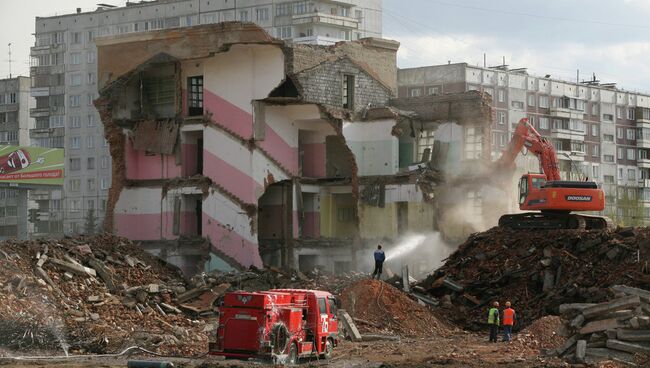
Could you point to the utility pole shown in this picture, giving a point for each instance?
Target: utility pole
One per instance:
(9, 60)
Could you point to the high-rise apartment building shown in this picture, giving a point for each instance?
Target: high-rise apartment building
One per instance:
(64, 75)
(15, 102)
(600, 132)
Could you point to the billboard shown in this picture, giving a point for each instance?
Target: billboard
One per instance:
(31, 165)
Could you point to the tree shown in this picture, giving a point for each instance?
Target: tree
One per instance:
(90, 226)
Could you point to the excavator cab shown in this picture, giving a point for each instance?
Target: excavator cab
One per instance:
(530, 183)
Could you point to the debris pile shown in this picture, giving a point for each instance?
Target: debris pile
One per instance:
(92, 295)
(542, 333)
(612, 330)
(537, 271)
(378, 308)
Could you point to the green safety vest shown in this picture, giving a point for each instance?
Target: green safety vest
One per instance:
(493, 316)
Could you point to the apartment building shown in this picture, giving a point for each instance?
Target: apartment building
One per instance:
(15, 102)
(600, 131)
(64, 75)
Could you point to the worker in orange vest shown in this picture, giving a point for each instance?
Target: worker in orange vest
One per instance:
(509, 318)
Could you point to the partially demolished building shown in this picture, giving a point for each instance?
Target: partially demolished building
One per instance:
(233, 149)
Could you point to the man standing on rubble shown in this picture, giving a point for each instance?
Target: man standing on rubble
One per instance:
(508, 321)
(380, 257)
(493, 321)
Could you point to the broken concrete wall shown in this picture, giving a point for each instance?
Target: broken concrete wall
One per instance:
(375, 149)
(440, 79)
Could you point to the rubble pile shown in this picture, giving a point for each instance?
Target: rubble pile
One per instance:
(542, 333)
(379, 308)
(615, 330)
(92, 295)
(537, 271)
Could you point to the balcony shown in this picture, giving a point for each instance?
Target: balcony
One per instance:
(561, 133)
(46, 70)
(57, 90)
(46, 132)
(644, 183)
(38, 112)
(317, 40)
(40, 91)
(572, 155)
(562, 112)
(324, 18)
(643, 163)
(49, 49)
(643, 142)
(9, 107)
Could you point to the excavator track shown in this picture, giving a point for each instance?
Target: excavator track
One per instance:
(555, 221)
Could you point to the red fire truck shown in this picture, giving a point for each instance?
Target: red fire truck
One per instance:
(279, 325)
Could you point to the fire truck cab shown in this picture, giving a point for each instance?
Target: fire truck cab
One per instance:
(279, 324)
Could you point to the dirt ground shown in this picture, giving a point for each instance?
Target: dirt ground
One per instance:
(460, 349)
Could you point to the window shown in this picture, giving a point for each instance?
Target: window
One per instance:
(594, 130)
(90, 141)
(11, 211)
(75, 37)
(90, 163)
(415, 92)
(502, 95)
(75, 100)
(57, 121)
(631, 134)
(243, 16)
(630, 114)
(90, 36)
(595, 151)
(631, 174)
(619, 153)
(104, 183)
(619, 112)
(517, 105)
(75, 79)
(75, 164)
(283, 9)
(90, 78)
(426, 140)
(91, 186)
(104, 162)
(348, 91)
(608, 137)
(543, 101)
(89, 99)
(620, 173)
(531, 100)
(543, 123)
(577, 125)
(262, 14)
(432, 91)
(332, 304)
(91, 120)
(502, 117)
(124, 28)
(57, 38)
(210, 18)
(595, 109)
(609, 179)
(577, 146)
(473, 143)
(630, 154)
(74, 185)
(619, 133)
(284, 32)
(74, 205)
(75, 142)
(595, 172)
(195, 95)
(75, 58)
(608, 117)
(642, 154)
(75, 121)
(90, 57)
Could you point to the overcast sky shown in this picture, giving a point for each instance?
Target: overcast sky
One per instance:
(608, 37)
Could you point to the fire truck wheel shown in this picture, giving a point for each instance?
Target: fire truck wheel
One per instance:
(329, 346)
(280, 338)
(293, 354)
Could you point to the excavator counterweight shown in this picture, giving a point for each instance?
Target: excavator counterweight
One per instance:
(554, 198)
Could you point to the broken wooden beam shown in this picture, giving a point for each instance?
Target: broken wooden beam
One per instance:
(601, 325)
(628, 346)
(633, 335)
(73, 268)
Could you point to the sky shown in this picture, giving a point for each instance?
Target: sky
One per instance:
(610, 38)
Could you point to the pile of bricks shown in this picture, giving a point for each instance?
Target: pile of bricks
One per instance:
(615, 330)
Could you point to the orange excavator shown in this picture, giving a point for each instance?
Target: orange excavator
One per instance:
(553, 198)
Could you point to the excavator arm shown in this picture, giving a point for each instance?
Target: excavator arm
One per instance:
(525, 135)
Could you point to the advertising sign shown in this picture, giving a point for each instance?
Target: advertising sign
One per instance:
(31, 165)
